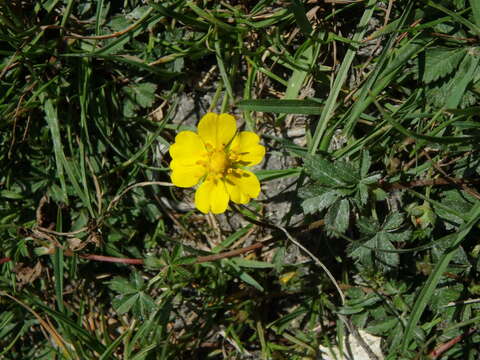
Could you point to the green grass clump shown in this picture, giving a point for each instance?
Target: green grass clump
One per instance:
(369, 218)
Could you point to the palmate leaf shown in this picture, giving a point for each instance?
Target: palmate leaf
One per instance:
(365, 163)
(317, 198)
(383, 259)
(441, 62)
(338, 216)
(459, 202)
(393, 221)
(453, 92)
(331, 174)
(138, 96)
(378, 251)
(141, 304)
(122, 286)
(133, 296)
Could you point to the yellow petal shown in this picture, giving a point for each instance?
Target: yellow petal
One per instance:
(217, 130)
(246, 145)
(187, 149)
(212, 196)
(186, 175)
(242, 185)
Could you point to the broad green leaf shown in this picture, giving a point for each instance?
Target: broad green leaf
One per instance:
(382, 327)
(143, 306)
(441, 62)
(385, 260)
(444, 295)
(123, 304)
(368, 226)
(328, 173)
(456, 200)
(318, 203)
(463, 78)
(145, 94)
(393, 221)
(338, 216)
(475, 5)
(365, 164)
(363, 194)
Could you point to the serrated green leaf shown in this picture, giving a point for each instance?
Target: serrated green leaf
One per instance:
(347, 171)
(365, 164)
(319, 203)
(137, 280)
(122, 286)
(383, 326)
(347, 310)
(385, 260)
(338, 216)
(372, 179)
(362, 253)
(393, 221)
(338, 174)
(365, 300)
(399, 236)
(475, 5)
(443, 295)
(145, 94)
(143, 306)
(441, 62)
(138, 95)
(457, 201)
(123, 304)
(463, 78)
(363, 194)
(367, 226)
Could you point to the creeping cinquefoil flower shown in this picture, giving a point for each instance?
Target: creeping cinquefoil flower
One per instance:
(216, 157)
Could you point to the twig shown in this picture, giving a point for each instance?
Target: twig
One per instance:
(356, 334)
(462, 302)
(4, 260)
(439, 350)
(133, 261)
(10, 63)
(110, 259)
(315, 259)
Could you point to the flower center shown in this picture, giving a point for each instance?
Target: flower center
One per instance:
(219, 161)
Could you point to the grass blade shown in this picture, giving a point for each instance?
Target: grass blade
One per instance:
(340, 79)
(282, 106)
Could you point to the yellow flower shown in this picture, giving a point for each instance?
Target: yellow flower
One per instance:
(217, 155)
